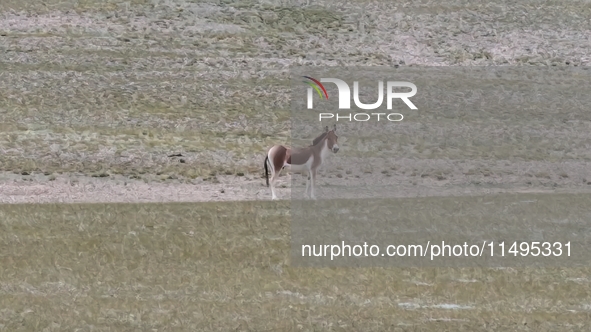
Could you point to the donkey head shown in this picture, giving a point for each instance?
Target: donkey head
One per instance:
(332, 139)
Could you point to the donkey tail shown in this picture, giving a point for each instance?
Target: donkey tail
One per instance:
(267, 169)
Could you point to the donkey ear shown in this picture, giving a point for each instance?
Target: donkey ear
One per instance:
(335, 127)
(326, 129)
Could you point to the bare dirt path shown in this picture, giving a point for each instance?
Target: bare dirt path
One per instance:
(331, 184)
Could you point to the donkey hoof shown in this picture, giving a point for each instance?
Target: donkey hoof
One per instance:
(274, 198)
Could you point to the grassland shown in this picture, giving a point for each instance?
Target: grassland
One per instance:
(96, 95)
(115, 87)
(225, 267)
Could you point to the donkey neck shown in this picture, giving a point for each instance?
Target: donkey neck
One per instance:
(321, 148)
(318, 139)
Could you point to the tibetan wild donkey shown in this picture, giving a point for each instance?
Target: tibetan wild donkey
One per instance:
(305, 161)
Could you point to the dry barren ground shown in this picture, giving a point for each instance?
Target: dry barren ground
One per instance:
(110, 89)
(96, 95)
(114, 88)
(401, 178)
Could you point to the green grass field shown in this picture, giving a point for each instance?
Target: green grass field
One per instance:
(225, 267)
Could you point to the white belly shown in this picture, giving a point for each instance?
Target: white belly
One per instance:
(302, 169)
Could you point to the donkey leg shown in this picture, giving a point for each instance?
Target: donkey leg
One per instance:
(307, 175)
(312, 183)
(274, 176)
(274, 179)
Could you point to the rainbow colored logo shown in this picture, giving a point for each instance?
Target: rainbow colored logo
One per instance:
(316, 86)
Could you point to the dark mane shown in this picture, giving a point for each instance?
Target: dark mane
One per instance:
(319, 138)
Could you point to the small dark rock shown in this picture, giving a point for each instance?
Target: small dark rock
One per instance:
(222, 191)
(100, 175)
(176, 155)
(182, 161)
(25, 173)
